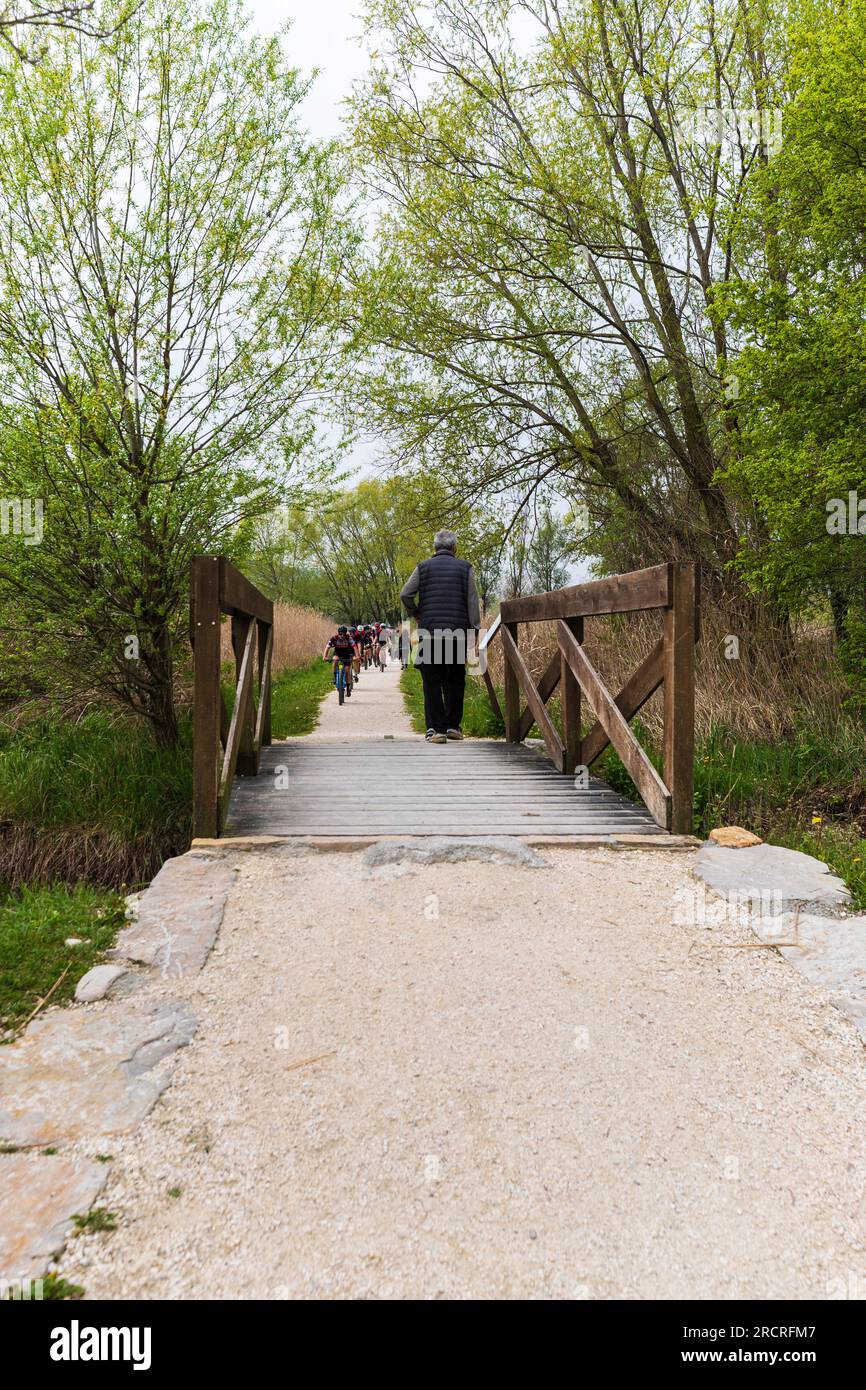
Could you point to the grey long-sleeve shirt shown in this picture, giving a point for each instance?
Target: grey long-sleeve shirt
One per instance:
(409, 596)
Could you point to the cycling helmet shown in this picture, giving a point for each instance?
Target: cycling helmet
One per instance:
(342, 628)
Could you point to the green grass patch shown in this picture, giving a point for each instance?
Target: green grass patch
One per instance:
(106, 773)
(94, 800)
(296, 696)
(97, 1219)
(34, 926)
(479, 720)
(56, 1289)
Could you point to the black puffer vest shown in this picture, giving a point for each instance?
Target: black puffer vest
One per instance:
(443, 593)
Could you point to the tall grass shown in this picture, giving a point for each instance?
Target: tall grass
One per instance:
(89, 797)
(763, 693)
(93, 799)
(299, 635)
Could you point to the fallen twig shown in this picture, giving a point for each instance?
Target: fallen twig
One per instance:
(307, 1061)
(44, 1001)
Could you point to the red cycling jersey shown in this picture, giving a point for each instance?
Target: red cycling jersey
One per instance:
(342, 644)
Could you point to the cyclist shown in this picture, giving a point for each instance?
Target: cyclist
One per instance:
(344, 649)
(382, 644)
(367, 642)
(356, 635)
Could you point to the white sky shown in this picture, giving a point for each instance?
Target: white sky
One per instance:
(325, 34)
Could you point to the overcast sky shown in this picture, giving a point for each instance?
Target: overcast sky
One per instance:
(324, 35)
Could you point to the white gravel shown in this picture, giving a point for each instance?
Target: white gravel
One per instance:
(530, 1084)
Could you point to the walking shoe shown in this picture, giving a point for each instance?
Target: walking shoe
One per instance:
(433, 737)
(454, 733)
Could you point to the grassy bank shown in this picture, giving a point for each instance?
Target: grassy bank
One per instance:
(35, 960)
(479, 720)
(98, 801)
(296, 697)
(89, 810)
(806, 792)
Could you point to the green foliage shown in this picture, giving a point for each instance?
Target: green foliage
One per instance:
(56, 1289)
(479, 720)
(99, 773)
(539, 304)
(95, 1220)
(35, 924)
(801, 374)
(168, 253)
(296, 697)
(354, 555)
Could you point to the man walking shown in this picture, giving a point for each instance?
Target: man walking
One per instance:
(442, 595)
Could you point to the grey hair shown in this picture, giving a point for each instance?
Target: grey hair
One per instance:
(445, 540)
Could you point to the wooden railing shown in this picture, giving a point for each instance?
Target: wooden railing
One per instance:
(223, 745)
(671, 588)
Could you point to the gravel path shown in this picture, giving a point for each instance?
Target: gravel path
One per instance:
(471, 1080)
(530, 1083)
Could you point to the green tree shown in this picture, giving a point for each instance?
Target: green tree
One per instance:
(541, 301)
(169, 245)
(801, 376)
(549, 551)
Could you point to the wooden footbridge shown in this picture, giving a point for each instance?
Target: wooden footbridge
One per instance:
(246, 785)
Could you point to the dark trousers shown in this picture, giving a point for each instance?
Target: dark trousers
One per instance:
(443, 695)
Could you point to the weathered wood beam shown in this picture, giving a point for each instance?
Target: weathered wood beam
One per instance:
(205, 630)
(679, 674)
(238, 595)
(512, 689)
(652, 789)
(518, 666)
(243, 696)
(637, 690)
(263, 722)
(546, 686)
(618, 593)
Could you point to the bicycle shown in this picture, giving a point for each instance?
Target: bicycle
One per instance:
(342, 681)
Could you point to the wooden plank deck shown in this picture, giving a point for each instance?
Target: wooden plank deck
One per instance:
(356, 787)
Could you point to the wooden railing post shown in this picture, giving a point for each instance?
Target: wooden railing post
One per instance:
(679, 674)
(265, 650)
(206, 708)
(569, 704)
(512, 694)
(248, 763)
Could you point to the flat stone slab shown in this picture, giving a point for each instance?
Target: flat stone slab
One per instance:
(178, 916)
(771, 873)
(439, 850)
(77, 1073)
(829, 951)
(39, 1196)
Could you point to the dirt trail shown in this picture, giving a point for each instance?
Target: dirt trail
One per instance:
(374, 709)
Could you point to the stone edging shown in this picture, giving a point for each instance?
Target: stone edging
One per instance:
(81, 1073)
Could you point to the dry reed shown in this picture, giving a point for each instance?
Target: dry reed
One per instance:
(762, 694)
(299, 636)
